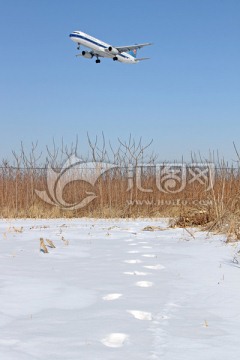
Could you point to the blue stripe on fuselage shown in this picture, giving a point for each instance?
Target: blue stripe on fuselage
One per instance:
(93, 42)
(87, 39)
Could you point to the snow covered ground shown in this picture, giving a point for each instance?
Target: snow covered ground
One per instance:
(111, 291)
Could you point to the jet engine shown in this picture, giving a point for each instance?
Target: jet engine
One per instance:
(113, 50)
(87, 54)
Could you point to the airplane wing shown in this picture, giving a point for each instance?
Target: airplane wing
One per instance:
(131, 47)
(90, 54)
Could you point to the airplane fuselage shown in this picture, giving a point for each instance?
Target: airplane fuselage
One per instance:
(102, 48)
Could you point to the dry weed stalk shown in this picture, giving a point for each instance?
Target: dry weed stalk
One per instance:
(50, 244)
(43, 247)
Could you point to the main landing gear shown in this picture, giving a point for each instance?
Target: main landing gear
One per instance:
(98, 61)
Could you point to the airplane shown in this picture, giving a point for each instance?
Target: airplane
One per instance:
(124, 54)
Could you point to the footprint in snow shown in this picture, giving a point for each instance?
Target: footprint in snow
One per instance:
(138, 273)
(133, 252)
(155, 267)
(140, 315)
(115, 340)
(146, 247)
(149, 255)
(133, 261)
(110, 297)
(144, 284)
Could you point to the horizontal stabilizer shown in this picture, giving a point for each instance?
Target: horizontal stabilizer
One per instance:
(142, 59)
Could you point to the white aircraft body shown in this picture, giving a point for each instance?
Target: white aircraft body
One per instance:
(125, 54)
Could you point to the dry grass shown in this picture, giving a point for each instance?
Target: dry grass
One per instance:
(217, 209)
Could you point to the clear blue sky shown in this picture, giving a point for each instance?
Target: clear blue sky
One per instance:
(186, 98)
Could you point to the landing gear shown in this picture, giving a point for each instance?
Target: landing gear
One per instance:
(115, 58)
(78, 48)
(98, 61)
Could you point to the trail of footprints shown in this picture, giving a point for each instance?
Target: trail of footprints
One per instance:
(117, 340)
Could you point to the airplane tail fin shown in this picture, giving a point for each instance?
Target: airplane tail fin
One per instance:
(133, 53)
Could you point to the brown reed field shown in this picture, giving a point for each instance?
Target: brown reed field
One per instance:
(193, 194)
